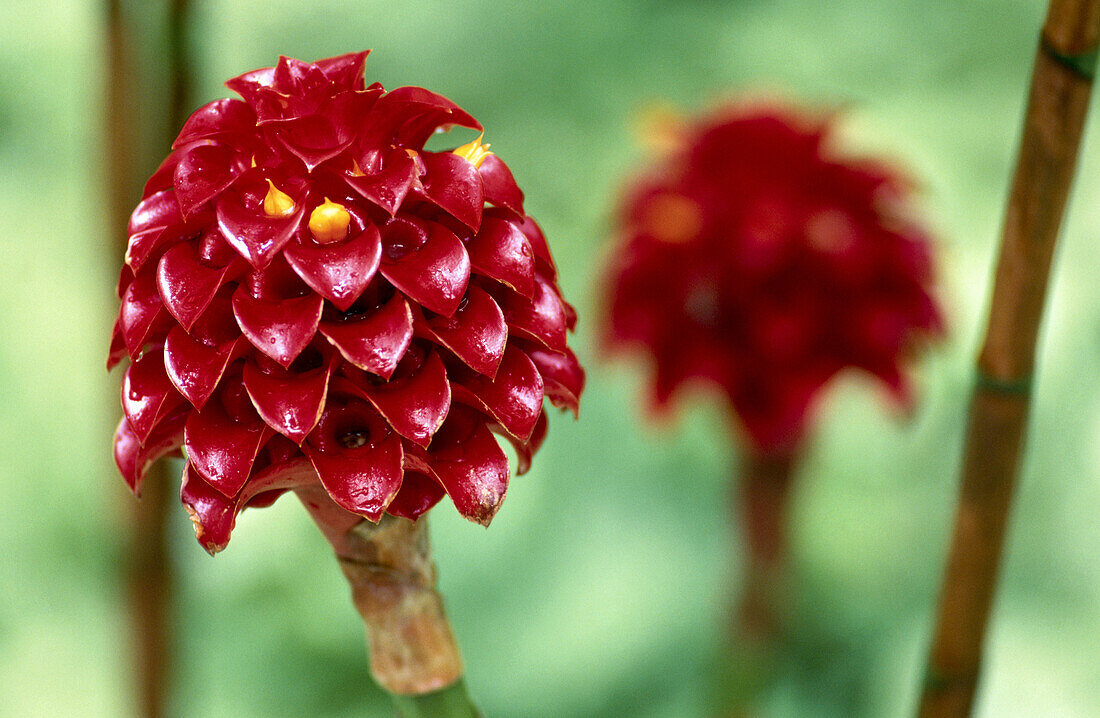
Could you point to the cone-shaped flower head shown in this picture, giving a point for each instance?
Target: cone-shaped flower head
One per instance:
(754, 259)
(311, 296)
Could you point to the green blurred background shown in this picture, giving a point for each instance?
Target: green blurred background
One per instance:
(598, 588)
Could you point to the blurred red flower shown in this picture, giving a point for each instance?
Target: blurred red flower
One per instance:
(753, 258)
(310, 295)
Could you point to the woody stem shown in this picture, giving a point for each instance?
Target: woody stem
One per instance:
(388, 565)
(1058, 102)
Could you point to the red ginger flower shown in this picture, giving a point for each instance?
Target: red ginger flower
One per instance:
(310, 295)
(754, 259)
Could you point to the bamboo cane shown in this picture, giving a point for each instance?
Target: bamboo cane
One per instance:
(1053, 124)
(147, 572)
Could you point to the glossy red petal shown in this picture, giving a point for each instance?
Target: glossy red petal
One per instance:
(543, 318)
(363, 480)
(203, 172)
(419, 492)
(127, 450)
(289, 402)
(434, 274)
(134, 459)
(220, 119)
(499, 185)
(525, 449)
(194, 367)
(186, 284)
(476, 333)
(570, 314)
(141, 313)
(165, 175)
(257, 237)
(416, 458)
(147, 394)
(217, 325)
(313, 139)
(454, 185)
(562, 377)
(408, 116)
(155, 224)
(376, 343)
(386, 177)
(338, 272)
(425, 113)
(297, 77)
(125, 278)
(471, 466)
(157, 211)
(542, 250)
(250, 81)
(279, 329)
(345, 71)
(416, 405)
(213, 514)
(513, 398)
(299, 81)
(501, 251)
(222, 450)
(118, 347)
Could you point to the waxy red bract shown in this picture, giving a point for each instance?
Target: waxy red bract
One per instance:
(754, 260)
(376, 366)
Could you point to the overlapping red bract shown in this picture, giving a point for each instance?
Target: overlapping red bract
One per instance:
(754, 260)
(378, 365)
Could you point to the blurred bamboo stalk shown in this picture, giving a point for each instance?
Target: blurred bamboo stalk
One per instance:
(179, 69)
(147, 573)
(1053, 124)
(149, 591)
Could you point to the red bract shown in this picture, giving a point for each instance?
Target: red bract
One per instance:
(311, 296)
(755, 260)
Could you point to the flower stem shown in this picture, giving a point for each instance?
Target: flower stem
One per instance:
(760, 503)
(451, 702)
(763, 503)
(1058, 102)
(388, 565)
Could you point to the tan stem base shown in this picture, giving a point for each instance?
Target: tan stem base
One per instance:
(389, 568)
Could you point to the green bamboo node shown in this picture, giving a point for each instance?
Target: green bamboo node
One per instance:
(934, 680)
(1083, 64)
(1019, 386)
